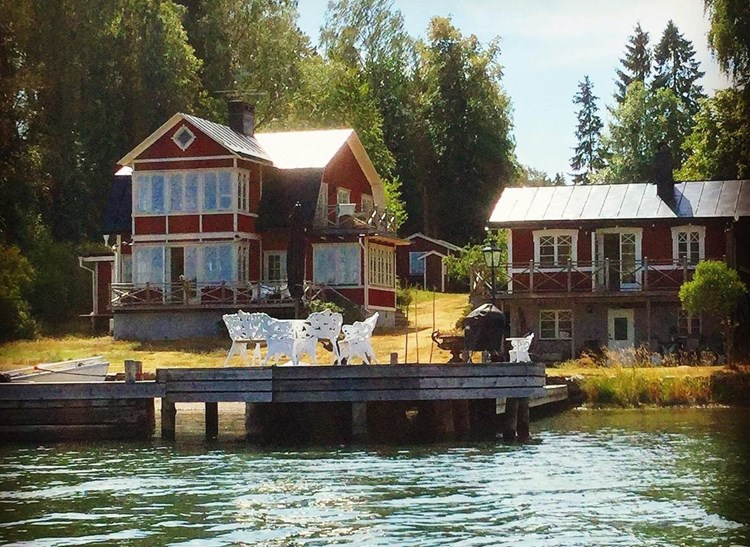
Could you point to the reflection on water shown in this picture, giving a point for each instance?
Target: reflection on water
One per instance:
(656, 477)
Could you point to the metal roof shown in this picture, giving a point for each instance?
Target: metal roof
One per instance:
(230, 139)
(698, 199)
(303, 149)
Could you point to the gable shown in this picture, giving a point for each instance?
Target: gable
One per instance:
(165, 146)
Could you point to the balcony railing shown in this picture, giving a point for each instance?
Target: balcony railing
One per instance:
(191, 294)
(605, 276)
(345, 216)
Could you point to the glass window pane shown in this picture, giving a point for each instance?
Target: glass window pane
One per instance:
(157, 194)
(209, 192)
(191, 193)
(621, 328)
(175, 193)
(143, 190)
(225, 190)
(416, 264)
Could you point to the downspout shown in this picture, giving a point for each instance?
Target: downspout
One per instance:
(94, 303)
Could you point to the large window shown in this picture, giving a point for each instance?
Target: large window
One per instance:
(556, 324)
(203, 263)
(243, 188)
(381, 272)
(190, 191)
(555, 247)
(416, 262)
(336, 264)
(148, 265)
(275, 265)
(688, 243)
(217, 263)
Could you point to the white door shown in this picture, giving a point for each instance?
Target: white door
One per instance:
(621, 328)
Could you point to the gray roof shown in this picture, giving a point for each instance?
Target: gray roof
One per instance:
(700, 199)
(230, 139)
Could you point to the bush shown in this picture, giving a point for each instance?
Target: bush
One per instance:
(404, 297)
(16, 280)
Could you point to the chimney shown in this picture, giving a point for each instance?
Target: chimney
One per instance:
(663, 173)
(241, 117)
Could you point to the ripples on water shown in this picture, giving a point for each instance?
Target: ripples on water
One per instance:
(658, 477)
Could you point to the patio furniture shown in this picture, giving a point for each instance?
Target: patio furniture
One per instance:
(357, 341)
(321, 325)
(519, 352)
(287, 337)
(244, 328)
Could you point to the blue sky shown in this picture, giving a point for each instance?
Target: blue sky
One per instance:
(547, 48)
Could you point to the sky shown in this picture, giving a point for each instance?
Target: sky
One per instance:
(548, 46)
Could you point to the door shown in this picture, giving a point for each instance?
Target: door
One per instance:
(182, 278)
(617, 256)
(620, 328)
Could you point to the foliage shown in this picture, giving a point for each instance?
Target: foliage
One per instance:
(719, 146)
(638, 126)
(636, 64)
(321, 305)
(589, 155)
(404, 297)
(16, 279)
(676, 67)
(729, 37)
(529, 176)
(459, 268)
(714, 290)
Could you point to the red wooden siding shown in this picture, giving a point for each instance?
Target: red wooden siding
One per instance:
(245, 223)
(381, 298)
(150, 225)
(345, 172)
(254, 271)
(103, 281)
(165, 147)
(276, 240)
(355, 295)
(183, 165)
(218, 223)
(255, 177)
(183, 224)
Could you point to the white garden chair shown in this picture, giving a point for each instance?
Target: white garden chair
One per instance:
(357, 341)
(519, 352)
(246, 328)
(286, 337)
(321, 325)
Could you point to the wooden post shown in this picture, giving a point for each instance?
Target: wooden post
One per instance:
(570, 274)
(168, 419)
(461, 418)
(645, 273)
(253, 422)
(359, 421)
(510, 419)
(531, 276)
(522, 421)
(394, 358)
(212, 420)
(133, 370)
(443, 426)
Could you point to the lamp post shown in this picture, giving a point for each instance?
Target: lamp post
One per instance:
(492, 257)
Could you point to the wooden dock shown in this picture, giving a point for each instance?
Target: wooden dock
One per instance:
(287, 403)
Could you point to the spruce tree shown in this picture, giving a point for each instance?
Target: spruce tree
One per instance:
(636, 64)
(677, 69)
(588, 156)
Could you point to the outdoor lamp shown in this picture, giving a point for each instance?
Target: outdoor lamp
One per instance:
(492, 258)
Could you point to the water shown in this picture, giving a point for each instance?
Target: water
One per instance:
(656, 477)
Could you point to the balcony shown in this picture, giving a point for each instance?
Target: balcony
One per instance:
(607, 277)
(350, 217)
(199, 295)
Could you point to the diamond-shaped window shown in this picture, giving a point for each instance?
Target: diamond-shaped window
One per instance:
(183, 137)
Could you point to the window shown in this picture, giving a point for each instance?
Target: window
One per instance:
(183, 137)
(556, 324)
(380, 266)
(343, 195)
(336, 264)
(321, 207)
(217, 263)
(150, 193)
(688, 243)
(368, 204)
(275, 265)
(126, 269)
(217, 191)
(148, 265)
(688, 324)
(416, 263)
(183, 192)
(555, 247)
(243, 188)
(243, 261)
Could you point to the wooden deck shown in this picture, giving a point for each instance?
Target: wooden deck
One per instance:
(355, 401)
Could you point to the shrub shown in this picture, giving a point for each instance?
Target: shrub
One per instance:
(16, 280)
(404, 297)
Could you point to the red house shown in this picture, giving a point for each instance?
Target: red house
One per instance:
(601, 265)
(200, 214)
(421, 262)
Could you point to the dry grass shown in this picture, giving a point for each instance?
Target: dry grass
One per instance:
(210, 352)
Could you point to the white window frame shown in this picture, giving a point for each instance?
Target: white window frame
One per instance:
(143, 196)
(243, 191)
(183, 146)
(343, 195)
(688, 230)
(243, 263)
(381, 266)
(638, 233)
(555, 234)
(267, 256)
(324, 277)
(556, 316)
(200, 251)
(418, 257)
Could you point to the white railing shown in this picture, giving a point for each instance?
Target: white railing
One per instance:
(351, 215)
(186, 293)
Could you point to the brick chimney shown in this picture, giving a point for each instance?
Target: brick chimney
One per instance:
(241, 117)
(663, 173)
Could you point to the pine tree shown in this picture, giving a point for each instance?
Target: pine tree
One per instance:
(588, 156)
(677, 69)
(636, 64)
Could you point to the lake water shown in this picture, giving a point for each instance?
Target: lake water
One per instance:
(654, 477)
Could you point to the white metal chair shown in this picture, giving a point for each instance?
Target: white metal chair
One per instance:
(519, 352)
(321, 325)
(357, 341)
(286, 337)
(245, 328)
